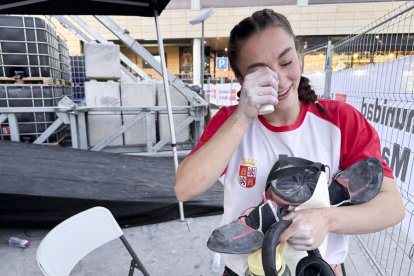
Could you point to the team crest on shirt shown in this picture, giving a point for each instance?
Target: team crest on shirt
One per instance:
(247, 173)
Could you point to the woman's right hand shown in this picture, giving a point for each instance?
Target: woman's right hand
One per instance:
(259, 87)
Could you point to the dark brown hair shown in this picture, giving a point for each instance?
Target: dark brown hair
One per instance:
(259, 21)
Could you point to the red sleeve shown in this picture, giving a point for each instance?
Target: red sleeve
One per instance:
(359, 139)
(215, 123)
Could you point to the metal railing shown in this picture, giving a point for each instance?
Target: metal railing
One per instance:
(74, 115)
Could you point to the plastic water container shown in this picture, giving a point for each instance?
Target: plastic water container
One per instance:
(216, 264)
(18, 242)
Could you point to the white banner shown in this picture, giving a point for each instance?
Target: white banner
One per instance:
(383, 93)
(222, 94)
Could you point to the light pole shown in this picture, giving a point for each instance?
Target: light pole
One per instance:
(200, 19)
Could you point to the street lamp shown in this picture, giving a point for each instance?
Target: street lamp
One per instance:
(200, 19)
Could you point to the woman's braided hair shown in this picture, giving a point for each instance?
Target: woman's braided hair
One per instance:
(308, 95)
(259, 21)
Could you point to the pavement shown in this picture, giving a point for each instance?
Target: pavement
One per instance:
(172, 248)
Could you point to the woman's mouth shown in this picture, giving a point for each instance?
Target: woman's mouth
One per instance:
(283, 93)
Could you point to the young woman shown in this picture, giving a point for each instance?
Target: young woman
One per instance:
(263, 54)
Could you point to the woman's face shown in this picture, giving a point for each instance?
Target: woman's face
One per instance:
(273, 48)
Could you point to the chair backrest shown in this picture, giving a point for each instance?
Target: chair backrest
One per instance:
(67, 243)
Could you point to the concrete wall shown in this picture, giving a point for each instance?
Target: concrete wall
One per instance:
(101, 125)
(102, 61)
(177, 99)
(139, 94)
(164, 128)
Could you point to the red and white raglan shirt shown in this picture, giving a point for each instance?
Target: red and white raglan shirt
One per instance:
(337, 139)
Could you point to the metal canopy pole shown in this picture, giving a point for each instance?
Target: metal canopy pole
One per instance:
(168, 100)
(202, 59)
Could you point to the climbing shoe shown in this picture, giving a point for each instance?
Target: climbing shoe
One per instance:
(358, 184)
(245, 234)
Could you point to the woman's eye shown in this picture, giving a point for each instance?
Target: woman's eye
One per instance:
(286, 64)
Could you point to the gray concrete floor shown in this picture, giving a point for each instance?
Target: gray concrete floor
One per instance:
(173, 248)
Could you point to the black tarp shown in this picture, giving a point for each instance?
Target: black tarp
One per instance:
(42, 185)
(84, 7)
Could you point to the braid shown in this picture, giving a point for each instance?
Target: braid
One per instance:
(308, 95)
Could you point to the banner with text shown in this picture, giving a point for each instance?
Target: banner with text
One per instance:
(383, 93)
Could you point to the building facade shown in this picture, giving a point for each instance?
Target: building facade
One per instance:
(314, 22)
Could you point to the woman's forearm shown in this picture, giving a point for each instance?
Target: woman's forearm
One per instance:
(199, 171)
(385, 210)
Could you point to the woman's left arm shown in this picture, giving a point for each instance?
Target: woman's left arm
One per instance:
(384, 210)
(310, 226)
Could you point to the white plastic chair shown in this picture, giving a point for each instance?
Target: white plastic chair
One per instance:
(70, 241)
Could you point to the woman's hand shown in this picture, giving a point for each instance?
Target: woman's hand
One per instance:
(308, 229)
(259, 87)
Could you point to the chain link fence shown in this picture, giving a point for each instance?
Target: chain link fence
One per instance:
(373, 70)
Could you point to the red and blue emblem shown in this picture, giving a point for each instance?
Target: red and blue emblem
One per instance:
(247, 173)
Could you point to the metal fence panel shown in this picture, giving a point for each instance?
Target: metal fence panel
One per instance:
(374, 72)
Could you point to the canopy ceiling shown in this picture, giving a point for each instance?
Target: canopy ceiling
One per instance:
(83, 7)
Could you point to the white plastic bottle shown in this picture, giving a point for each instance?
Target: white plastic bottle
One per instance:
(18, 242)
(216, 264)
(266, 109)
